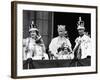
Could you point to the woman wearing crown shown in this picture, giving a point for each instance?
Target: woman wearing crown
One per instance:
(34, 45)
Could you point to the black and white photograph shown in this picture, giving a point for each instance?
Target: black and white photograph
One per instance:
(54, 39)
(59, 36)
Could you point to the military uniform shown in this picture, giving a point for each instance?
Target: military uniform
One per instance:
(85, 46)
(83, 42)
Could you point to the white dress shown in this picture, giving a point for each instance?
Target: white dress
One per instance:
(56, 43)
(33, 50)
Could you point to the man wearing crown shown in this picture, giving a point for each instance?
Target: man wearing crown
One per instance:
(59, 44)
(82, 48)
(34, 45)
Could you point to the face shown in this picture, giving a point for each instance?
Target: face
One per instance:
(81, 32)
(66, 50)
(33, 34)
(61, 32)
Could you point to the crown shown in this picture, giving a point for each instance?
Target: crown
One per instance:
(33, 27)
(80, 24)
(61, 27)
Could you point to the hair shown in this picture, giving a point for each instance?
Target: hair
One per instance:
(37, 32)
